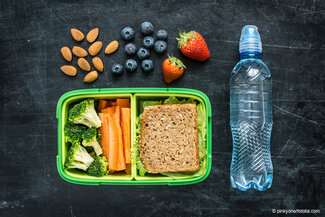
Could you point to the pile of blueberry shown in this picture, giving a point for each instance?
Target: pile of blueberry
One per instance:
(143, 53)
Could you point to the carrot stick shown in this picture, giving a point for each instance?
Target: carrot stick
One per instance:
(110, 103)
(116, 148)
(128, 169)
(123, 103)
(126, 129)
(109, 110)
(104, 133)
(113, 143)
(102, 104)
(120, 153)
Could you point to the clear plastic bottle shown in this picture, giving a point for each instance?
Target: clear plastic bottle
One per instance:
(251, 116)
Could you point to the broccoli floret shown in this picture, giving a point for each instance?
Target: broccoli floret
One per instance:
(89, 138)
(78, 158)
(99, 167)
(99, 136)
(84, 113)
(73, 132)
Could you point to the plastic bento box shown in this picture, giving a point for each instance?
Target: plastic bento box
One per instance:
(136, 96)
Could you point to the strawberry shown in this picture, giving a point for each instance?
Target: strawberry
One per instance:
(172, 69)
(193, 46)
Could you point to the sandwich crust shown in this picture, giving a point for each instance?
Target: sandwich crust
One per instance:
(169, 138)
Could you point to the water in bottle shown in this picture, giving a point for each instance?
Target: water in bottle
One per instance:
(251, 116)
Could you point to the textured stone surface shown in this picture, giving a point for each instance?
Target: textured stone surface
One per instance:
(31, 35)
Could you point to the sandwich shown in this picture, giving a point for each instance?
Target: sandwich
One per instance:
(170, 138)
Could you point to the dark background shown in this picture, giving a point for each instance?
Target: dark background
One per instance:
(31, 35)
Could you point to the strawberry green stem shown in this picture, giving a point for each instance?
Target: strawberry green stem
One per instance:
(177, 61)
(184, 37)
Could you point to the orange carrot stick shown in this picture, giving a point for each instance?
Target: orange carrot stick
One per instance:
(113, 143)
(102, 104)
(109, 110)
(110, 103)
(126, 129)
(123, 103)
(120, 153)
(104, 134)
(128, 169)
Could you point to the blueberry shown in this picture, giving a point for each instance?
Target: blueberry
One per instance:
(131, 65)
(127, 33)
(130, 49)
(146, 28)
(162, 35)
(117, 69)
(160, 47)
(147, 65)
(148, 42)
(143, 53)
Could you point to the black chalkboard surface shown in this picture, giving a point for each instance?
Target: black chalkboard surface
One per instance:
(31, 35)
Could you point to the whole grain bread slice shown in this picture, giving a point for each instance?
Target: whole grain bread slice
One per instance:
(169, 138)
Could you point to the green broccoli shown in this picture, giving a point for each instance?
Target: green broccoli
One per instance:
(84, 113)
(78, 158)
(99, 167)
(99, 136)
(89, 138)
(73, 132)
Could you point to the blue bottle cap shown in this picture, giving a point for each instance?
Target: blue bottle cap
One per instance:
(250, 40)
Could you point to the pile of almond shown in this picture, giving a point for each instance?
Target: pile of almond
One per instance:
(81, 53)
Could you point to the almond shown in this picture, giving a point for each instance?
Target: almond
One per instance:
(79, 51)
(111, 47)
(69, 70)
(92, 35)
(91, 76)
(77, 35)
(66, 53)
(98, 64)
(95, 48)
(83, 64)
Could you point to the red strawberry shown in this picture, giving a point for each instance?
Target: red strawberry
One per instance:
(193, 46)
(172, 69)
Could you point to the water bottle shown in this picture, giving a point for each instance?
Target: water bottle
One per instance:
(251, 116)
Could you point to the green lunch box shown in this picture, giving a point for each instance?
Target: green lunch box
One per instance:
(136, 95)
